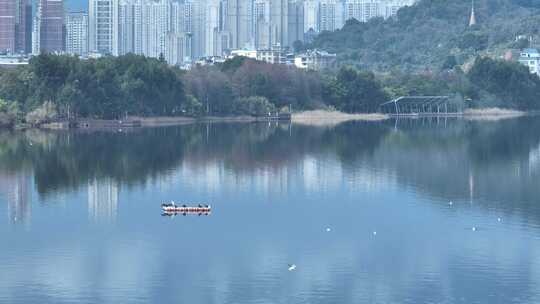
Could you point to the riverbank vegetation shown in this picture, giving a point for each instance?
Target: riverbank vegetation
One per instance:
(55, 87)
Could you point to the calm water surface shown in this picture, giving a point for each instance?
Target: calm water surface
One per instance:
(80, 220)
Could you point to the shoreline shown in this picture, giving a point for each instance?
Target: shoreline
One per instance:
(493, 114)
(319, 118)
(332, 118)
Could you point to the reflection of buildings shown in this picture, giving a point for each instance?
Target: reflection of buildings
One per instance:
(102, 199)
(16, 189)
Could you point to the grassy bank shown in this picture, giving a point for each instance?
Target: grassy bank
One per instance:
(330, 118)
(492, 114)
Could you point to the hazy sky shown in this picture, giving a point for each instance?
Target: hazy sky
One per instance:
(73, 5)
(76, 5)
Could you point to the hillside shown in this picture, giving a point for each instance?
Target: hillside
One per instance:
(423, 36)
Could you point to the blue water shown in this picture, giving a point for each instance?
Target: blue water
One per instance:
(80, 220)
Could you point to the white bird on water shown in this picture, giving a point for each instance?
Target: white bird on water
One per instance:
(450, 203)
(328, 229)
(498, 219)
(473, 228)
(374, 232)
(292, 267)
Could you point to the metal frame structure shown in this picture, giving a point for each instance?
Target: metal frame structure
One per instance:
(419, 105)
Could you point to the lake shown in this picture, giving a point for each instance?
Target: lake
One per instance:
(400, 211)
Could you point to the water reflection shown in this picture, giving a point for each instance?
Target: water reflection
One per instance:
(457, 160)
(16, 189)
(102, 200)
(275, 188)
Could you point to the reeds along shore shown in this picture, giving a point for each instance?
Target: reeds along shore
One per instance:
(324, 118)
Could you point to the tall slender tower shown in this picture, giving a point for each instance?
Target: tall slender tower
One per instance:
(472, 21)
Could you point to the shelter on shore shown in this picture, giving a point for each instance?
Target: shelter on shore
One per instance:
(419, 105)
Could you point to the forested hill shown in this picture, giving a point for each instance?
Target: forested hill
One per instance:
(422, 36)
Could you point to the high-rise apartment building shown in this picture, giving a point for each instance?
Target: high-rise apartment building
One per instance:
(363, 10)
(262, 28)
(155, 27)
(7, 26)
(239, 23)
(15, 26)
(176, 51)
(212, 18)
(295, 22)
(130, 24)
(49, 29)
(311, 15)
(77, 33)
(279, 10)
(182, 30)
(103, 26)
(330, 15)
(391, 7)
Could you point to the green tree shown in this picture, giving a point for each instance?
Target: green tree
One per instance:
(354, 91)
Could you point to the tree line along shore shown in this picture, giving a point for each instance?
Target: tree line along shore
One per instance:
(60, 87)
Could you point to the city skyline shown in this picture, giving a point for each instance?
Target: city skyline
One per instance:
(180, 31)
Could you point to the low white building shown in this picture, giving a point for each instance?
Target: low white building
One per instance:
(315, 60)
(273, 56)
(244, 53)
(531, 59)
(13, 61)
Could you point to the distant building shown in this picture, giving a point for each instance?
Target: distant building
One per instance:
(77, 34)
(244, 53)
(210, 60)
(311, 15)
(49, 30)
(273, 56)
(154, 28)
(531, 59)
(12, 61)
(103, 26)
(176, 52)
(15, 26)
(330, 15)
(362, 10)
(295, 22)
(315, 60)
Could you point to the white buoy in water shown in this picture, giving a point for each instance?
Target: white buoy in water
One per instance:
(498, 219)
(328, 229)
(473, 228)
(374, 232)
(292, 267)
(450, 203)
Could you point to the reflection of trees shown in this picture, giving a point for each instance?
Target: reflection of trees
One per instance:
(457, 160)
(69, 160)
(481, 161)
